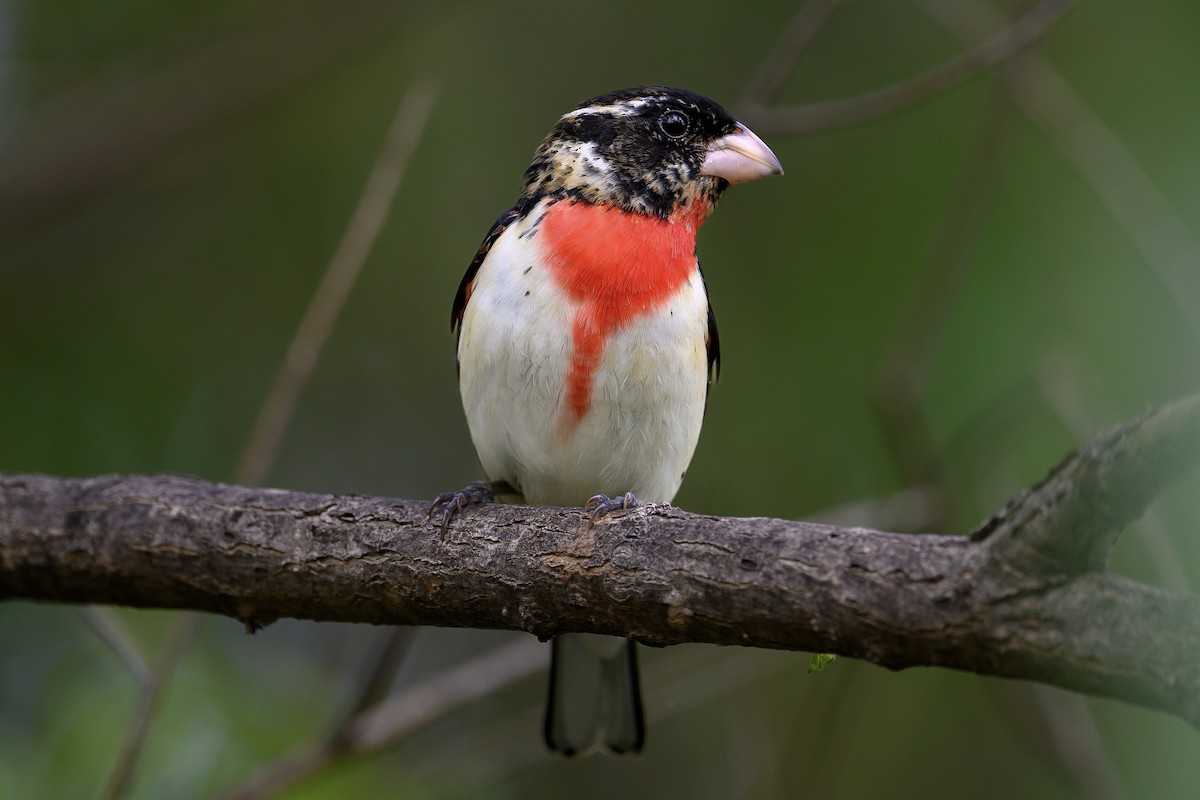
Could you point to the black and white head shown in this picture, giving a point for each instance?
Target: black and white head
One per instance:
(648, 149)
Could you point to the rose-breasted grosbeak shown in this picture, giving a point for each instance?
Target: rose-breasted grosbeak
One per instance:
(587, 344)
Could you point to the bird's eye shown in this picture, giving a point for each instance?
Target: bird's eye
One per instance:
(673, 124)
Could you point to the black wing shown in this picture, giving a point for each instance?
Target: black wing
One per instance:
(712, 341)
(464, 288)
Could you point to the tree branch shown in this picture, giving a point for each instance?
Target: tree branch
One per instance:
(340, 276)
(769, 81)
(1021, 598)
(85, 137)
(816, 117)
(1100, 157)
(1069, 522)
(381, 725)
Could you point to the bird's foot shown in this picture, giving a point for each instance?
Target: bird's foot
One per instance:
(601, 505)
(447, 504)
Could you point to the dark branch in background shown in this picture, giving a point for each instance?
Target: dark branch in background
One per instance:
(766, 85)
(901, 382)
(1021, 598)
(1069, 724)
(389, 721)
(1096, 152)
(91, 135)
(152, 684)
(1063, 388)
(1069, 522)
(817, 117)
(1062, 721)
(313, 332)
(340, 276)
(1086, 142)
(693, 678)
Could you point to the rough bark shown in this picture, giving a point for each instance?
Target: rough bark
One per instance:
(1025, 596)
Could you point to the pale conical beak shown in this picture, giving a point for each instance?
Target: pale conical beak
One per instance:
(739, 157)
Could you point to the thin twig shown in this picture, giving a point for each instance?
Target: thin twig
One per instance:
(385, 658)
(957, 235)
(276, 412)
(909, 93)
(343, 269)
(120, 775)
(1097, 154)
(918, 508)
(900, 383)
(150, 683)
(675, 683)
(1061, 387)
(113, 632)
(1061, 725)
(67, 148)
(1070, 520)
(1077, 743)
(364, 227)
(402, 715)
(769, 81)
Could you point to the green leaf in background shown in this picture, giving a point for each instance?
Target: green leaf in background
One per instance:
(819, 662)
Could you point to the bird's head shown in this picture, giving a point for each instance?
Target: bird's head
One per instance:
(650, 149)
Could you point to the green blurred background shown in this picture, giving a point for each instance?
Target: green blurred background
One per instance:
(175, 176)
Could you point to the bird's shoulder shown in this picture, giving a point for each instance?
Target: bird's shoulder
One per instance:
(712, 341)
(463, 296)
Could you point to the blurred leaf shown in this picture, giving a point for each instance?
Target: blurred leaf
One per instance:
(819, 662)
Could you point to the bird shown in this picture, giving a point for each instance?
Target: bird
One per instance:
(587, 346)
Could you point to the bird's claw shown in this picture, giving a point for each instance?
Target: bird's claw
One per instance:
(447, 504)
(601, 505)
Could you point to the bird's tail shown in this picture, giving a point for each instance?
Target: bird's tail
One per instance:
(595, 699)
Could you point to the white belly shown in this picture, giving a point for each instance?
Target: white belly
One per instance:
(647, 398)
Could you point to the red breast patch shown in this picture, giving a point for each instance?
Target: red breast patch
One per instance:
(617, 266)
